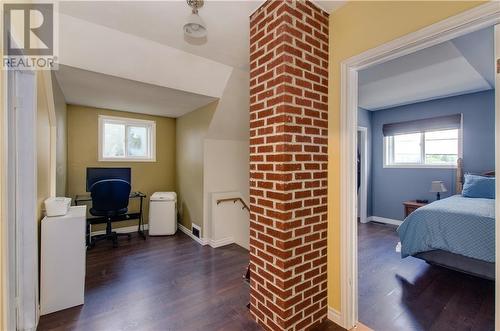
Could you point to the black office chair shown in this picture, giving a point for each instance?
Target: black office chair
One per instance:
(109, 199)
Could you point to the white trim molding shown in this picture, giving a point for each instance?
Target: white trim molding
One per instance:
(334, 316)
(364, 168)
(221, 242)
(389, 150)
(384, 220)
(482, 16)
(201, 241)
(206, 241)
(150, 126)
(22, 201)
(418, 166)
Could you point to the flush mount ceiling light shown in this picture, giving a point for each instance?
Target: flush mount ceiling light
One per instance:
(195, 27)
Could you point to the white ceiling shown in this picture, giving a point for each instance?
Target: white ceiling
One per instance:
(126, 47)
(87, 88)
(330, 5)
(478, 49)
(162, 21)
(463, 65)
(112, 52)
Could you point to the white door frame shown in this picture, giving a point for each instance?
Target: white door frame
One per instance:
(472, 20)
(363, 188)
(22, 225)
(9, 273)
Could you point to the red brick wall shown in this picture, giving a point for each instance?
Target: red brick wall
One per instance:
(288, 164)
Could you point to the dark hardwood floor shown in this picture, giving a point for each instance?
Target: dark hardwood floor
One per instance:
(409, 294)
(173, 283)
(163, 283)
(328, 325)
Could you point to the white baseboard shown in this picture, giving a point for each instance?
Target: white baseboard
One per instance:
(126, 229)
(334, 316)
(206, 241)
(221, 242)
(200, 241)
(384, 220)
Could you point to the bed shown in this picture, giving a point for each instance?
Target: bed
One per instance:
(457, 233)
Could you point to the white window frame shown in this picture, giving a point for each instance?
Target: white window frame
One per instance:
(151, 125)
(388, 149)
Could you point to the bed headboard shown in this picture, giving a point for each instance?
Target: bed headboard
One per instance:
(459, 178)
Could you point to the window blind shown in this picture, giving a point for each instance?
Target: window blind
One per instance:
(448, 122)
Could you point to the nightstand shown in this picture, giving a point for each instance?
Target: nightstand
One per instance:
(411, 206)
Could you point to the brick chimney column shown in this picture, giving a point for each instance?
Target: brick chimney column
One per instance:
(288, 164)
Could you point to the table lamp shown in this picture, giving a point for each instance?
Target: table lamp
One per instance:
(437, 186)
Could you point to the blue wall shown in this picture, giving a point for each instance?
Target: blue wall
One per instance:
(391, 186)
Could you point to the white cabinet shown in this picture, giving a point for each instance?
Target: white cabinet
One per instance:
(62, 261)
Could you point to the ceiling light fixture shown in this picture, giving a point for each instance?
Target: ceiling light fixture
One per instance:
(195, 27)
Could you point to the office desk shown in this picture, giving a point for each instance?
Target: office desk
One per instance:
(82, 198)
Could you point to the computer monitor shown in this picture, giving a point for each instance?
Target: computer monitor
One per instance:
(97, 174)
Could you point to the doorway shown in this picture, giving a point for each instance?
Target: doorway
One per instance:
(459, 25)
(363, 170)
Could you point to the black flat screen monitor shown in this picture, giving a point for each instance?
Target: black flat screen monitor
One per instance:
(97, 174)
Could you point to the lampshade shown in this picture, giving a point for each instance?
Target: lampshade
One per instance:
(438, 186)
(195, 27)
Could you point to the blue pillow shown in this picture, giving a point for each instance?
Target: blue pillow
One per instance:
(479, 187)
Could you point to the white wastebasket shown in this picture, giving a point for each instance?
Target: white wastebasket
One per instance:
(162, 214)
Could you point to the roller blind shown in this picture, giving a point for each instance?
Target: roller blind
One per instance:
(448, 122)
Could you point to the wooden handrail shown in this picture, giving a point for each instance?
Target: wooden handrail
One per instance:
(234, 200)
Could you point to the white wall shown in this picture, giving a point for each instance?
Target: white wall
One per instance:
(226, 169)
(226, 165)
(165, 66)
(231, 121)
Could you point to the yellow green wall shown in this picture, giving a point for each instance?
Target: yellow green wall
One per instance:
(45, 180)
(355, 28)
(147, 177)
(61, 138)
(191, 131)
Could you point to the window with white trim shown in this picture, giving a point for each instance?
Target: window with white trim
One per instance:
(433, 149)
(126, 139)
(423, 143)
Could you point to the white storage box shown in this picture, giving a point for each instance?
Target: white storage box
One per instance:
(162, 214)
(58, 206)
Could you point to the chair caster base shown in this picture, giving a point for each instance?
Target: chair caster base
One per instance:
(113, 236)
